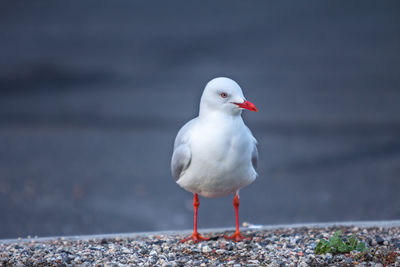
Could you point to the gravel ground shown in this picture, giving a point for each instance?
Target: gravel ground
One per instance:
(269, 247)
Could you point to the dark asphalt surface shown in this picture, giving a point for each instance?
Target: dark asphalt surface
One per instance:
(93, 94)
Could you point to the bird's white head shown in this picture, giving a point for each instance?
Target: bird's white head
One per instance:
(224, 95)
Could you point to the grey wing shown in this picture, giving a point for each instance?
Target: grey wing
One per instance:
(254, 153)
(182, 155)
(254, 157)
(181, 137)
(180, 160)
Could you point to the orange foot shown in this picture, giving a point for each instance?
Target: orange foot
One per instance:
(237, 237)
(195, 237)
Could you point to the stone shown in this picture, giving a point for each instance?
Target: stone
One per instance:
(379, 240)
(153, 253)
(206, 249)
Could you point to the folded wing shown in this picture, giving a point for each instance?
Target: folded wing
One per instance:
(182, 155)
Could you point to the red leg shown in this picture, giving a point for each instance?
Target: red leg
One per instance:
(195, 237)
(237, 236)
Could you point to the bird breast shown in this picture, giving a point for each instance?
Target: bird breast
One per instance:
(221, 158)
(222, 149)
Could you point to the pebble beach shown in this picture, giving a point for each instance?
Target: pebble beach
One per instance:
(269, 247)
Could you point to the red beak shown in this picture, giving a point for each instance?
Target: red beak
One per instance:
(247, 105)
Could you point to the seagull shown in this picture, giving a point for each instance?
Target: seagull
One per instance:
(215, 154)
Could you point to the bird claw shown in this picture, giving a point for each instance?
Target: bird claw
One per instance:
(195, 237)
(237, 237)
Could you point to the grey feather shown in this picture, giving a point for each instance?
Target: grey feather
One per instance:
(182, 155)
(181, 136)
(180, 160)
(254, 157)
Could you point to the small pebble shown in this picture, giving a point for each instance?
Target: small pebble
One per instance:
(206, 249)
(379, 240)
(220, 251)
(153, 253)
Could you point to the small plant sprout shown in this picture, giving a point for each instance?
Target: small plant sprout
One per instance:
(336, 245)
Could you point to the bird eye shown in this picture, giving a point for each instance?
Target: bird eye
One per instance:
(223, 95)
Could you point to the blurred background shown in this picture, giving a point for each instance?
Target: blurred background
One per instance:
(92, 95)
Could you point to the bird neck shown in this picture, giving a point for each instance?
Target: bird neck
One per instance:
(218, 116)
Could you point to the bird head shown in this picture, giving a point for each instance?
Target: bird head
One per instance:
(224, 95)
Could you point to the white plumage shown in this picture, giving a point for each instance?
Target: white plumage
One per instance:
(215, 154)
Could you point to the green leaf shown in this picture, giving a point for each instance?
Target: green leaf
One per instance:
(321, 246)
(336, 243)
(342, 247)
(361, 246)
(352, 242)
(338, 233)
(318, 248)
